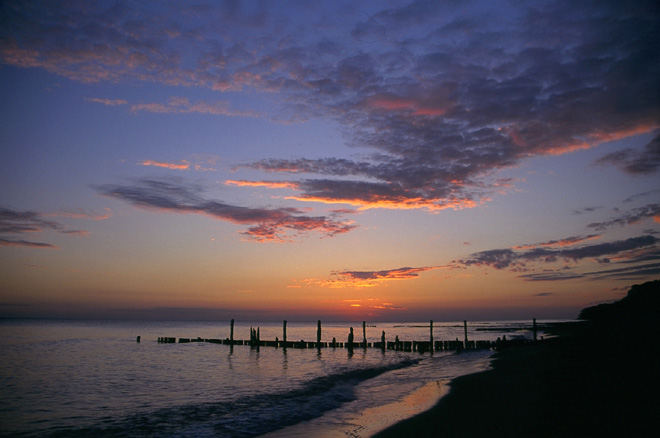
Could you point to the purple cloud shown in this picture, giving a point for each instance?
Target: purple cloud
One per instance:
(14, 222)
(265, 224)
(634, 216)
(439, 95)
(509, 258)
(632, 161)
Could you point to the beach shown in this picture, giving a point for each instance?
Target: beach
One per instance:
(596, 378)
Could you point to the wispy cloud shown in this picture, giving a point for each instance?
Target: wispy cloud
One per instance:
(625, 259)
(586, 210)
(181, 105)
(265, 224)
(26, 243)
(628, 273)
(183, 165)
(634, 216)
(645, 161)
(518, 260)
(13, 222)
(568, 241)
(267, 184)
(82, 214)
(177, 105)
(344, 279)
(107, 102)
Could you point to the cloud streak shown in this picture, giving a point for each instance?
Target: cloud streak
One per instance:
(184, 165)
(362, 279)
(265, 224)
(632, 161)
(181, 105)
(632, 217)
(510, 258)
(13, 222)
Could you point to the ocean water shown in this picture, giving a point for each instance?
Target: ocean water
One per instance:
(68, 378)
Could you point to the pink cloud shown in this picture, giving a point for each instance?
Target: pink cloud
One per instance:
(184, 165)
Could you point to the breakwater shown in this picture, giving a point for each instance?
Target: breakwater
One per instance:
(420, 346)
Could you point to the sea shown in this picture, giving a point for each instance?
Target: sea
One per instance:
(80, 378)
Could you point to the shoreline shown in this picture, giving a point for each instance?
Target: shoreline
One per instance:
(593, 379)
(370, 421)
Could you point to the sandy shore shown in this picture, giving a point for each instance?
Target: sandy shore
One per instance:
(593, 380)
(365, 424)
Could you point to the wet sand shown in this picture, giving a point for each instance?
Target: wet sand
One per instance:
(365, 424)
(595, 379)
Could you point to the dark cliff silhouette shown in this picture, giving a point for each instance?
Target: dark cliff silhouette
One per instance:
(642, 305)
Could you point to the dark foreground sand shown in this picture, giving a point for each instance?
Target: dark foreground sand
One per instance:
(598, 379)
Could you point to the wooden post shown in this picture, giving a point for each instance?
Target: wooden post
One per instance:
(431, 338)
(364, 333)
(466, 336)
(138, 339)
(350, 339)
(382, 340)
(284, 333)
(231, 333)
(318, 334)
(534, 328)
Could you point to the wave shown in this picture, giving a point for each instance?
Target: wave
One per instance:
(244, 417)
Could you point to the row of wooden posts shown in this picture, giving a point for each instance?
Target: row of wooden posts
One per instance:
(420, 346)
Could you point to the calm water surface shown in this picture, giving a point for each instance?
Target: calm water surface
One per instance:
(91, 378)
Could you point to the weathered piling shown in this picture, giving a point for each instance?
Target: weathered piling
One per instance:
(431, 337)
(137, 339)
(466, 336)
(416, 345)
(231, 332)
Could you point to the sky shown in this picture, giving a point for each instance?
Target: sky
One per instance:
(303, 160)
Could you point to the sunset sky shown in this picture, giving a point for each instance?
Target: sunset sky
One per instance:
(337, 160)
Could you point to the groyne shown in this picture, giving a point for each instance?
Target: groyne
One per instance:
(420, 346)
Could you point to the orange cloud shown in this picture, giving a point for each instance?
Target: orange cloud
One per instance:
(185, 165)
(362, 279)
(268, 184)
(395, 204)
